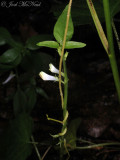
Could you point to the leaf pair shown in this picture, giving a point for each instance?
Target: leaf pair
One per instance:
(59, 30)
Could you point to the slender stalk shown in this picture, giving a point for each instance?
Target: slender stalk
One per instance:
(108, 44)
(99, 145)
(98, 25)
(64, 99)
(65, 88)
(108, 21)
(111, 54)
(65, 94)
(36, 149)
(116, 35)
(46, 152)
(64, 107)
(62, 52)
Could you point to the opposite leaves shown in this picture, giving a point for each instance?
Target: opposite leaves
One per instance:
(60, 25)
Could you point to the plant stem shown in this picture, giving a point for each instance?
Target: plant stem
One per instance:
(36, 149)
(65, 88)
(62, 51)
(116, 35)
(64, 99)
(108, 45)
(98, 25)
(64, 107)
(98, 145)
(111, 54)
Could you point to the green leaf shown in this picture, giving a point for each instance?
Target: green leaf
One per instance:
(71, 134)
(31, 98)
(17, 61)
(50, 44)
(32, 41)
(6, 67)
(19, 102)
(42, 92)
(114, 7)
(9, 56)
(36, 62)
(80, 11)
(15, 142)
(73, 44)
(59, 28)
(2, 41)
(6, 37)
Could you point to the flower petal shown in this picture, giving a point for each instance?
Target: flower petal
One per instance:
(53, 69)
(9, 78)
(47, 77)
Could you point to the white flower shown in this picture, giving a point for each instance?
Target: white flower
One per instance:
(9, 78)
(53, 69)
(47, 77)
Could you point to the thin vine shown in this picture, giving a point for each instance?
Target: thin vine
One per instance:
(62, 52)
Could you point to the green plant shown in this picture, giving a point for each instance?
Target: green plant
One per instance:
(80, 12)
(17, 139)
(108, 44)
(17, 60)
(63, 32)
